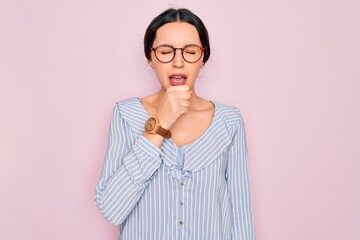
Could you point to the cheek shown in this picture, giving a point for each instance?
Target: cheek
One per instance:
(196, 69)
(161, 71)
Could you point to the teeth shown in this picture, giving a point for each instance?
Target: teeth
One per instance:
(178, 77)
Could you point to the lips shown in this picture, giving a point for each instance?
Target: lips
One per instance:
(177, 79)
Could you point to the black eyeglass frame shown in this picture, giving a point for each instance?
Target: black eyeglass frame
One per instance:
(182, 52)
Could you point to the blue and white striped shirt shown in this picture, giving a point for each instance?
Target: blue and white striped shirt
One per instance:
(197, 191)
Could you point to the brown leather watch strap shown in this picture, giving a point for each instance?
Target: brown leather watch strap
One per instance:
(164, 133)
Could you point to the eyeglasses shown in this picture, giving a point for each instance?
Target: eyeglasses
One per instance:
(190, 53)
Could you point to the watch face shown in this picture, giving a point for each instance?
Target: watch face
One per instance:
(150, 124)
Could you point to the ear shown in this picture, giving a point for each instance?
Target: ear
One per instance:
(150, 64)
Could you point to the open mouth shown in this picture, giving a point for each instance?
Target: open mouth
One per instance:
(177, 79)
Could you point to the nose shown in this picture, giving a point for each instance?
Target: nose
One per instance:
(178, 61)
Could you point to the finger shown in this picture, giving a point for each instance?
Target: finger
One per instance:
(183, 95)
(183, 110)
(178, 88)
(184, 103)
(178, 96)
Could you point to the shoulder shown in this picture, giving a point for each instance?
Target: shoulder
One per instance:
(127, 103)
(230, 115)
(127, 108)
(131, 113)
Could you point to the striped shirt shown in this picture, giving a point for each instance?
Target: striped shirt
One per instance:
(198, 191)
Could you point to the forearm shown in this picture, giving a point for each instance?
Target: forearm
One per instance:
(239, 187)
(155, 139)
(117, 195)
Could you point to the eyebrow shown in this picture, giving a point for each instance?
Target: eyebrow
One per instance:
(168, 45)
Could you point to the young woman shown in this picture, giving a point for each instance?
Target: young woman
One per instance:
(176, 165)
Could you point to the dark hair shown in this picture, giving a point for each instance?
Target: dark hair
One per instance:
(176, 15)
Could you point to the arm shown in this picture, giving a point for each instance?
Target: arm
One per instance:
(127, 169)
(239, 186)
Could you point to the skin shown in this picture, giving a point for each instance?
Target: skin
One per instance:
(178, 108)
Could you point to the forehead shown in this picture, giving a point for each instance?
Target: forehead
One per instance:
(177, 34)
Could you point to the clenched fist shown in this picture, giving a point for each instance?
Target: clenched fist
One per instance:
(174, 104)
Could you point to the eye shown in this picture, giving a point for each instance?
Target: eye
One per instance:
(166, 52)
(191, 50)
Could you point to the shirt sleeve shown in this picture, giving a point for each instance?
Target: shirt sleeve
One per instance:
(128, 167)
(239, 186)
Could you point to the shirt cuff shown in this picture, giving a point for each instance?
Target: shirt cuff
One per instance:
(147, 159)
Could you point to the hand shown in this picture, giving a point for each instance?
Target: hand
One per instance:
(174, 104)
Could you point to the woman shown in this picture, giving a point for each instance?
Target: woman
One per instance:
(176, 165)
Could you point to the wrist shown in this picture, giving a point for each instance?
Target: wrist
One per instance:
(155, 127)
(163, 121)
(164, 124)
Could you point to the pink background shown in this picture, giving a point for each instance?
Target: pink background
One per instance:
(291, 66)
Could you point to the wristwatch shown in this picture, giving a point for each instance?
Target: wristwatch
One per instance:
(152, 126)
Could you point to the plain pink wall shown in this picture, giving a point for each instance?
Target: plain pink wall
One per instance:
(291, 66)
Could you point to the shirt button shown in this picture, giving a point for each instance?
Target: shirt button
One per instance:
(181, 222)
(182, 184)
(181, 203)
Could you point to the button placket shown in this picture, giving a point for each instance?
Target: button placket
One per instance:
(161, 155)
(182, 176)
(181, 203)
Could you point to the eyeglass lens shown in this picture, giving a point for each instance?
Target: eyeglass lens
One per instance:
(190, 53)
